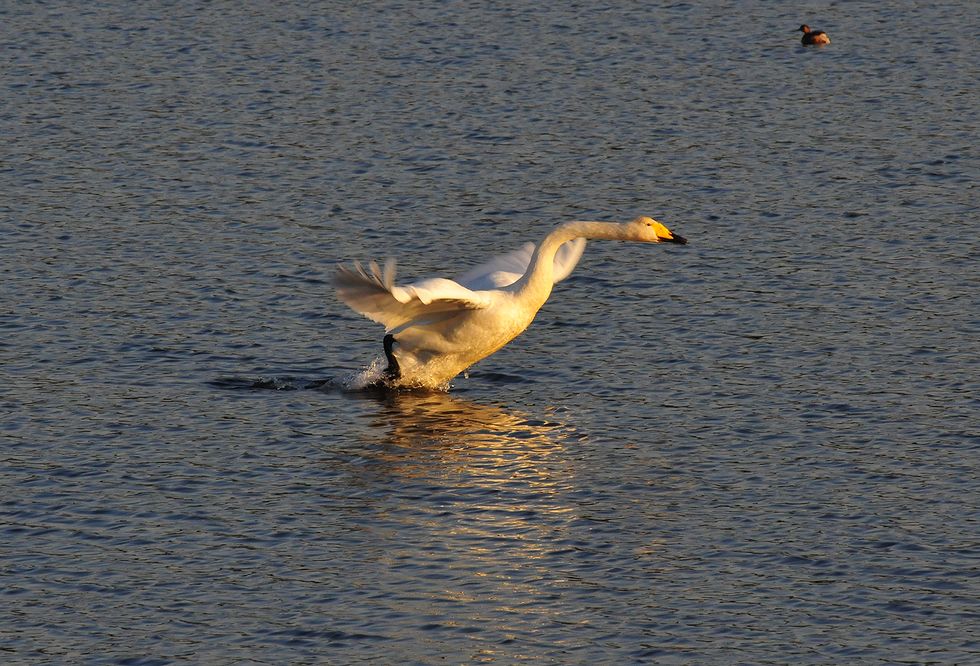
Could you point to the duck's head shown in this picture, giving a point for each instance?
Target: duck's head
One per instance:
(803, 28)
(651, 231)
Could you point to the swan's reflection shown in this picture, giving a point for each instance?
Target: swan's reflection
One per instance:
(474, 474)
(424, 428)
(480, 519)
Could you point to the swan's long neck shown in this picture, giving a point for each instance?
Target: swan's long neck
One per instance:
(537, 282)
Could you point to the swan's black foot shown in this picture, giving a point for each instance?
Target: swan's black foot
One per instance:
(392, 371)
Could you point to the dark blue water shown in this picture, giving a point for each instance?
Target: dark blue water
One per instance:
(757, 448)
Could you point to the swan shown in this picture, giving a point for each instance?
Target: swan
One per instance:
(437, 328)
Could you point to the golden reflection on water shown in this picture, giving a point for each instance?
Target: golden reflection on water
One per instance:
(503, 477)
(462, 432)
(481, 522)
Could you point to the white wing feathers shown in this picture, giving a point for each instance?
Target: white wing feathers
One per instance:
(375, 295)
(509, 268)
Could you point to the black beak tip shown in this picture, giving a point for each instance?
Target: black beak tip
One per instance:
(680, 240)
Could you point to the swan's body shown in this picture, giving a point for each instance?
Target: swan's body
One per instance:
(813, 37)
(437, 328)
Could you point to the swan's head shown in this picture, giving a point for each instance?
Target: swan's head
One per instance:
(651, 231)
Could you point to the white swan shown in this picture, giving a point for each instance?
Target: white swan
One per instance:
(437, 328)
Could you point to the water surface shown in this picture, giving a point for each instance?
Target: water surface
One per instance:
(757, 448)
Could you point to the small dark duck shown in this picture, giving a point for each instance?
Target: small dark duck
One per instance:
(813, 37)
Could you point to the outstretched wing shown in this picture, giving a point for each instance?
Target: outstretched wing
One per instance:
(375, 295)
(508, 268)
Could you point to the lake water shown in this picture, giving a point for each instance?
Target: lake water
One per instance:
(757, 448)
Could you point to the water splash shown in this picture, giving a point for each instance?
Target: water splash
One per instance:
(273, 383)
(373, 377)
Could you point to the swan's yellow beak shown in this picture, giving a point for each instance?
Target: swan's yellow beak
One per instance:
(665, 235)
